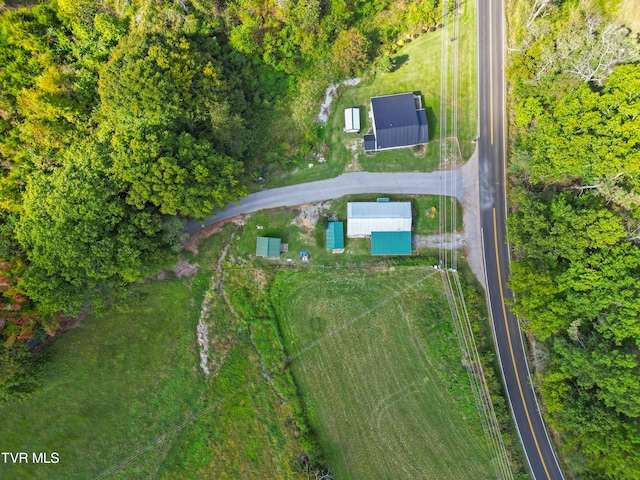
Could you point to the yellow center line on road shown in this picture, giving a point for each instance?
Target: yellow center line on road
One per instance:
(513, 358)
(490, 73)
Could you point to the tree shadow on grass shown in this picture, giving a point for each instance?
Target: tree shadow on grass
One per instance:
(399, 61)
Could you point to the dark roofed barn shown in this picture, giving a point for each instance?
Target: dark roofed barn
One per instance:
(398, 121)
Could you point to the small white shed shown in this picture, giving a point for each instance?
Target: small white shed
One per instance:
(352, 120)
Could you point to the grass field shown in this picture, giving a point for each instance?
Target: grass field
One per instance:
(116, 388)
(245, 428)
(110, 387)
(378, 367)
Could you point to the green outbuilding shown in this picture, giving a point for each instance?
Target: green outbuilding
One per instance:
(335, 236)
(390, 243)
(268, 247)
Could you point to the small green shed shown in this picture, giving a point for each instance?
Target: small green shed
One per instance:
(390, 243)
(335, 235)
(268, 247)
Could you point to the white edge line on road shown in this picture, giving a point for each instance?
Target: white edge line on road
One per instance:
(506, 210)
(497, 349)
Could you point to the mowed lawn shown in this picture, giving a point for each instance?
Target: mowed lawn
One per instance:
(419, 67)
(379, 369)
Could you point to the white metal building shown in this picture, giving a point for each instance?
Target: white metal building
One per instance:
(352, 120)
(366, 217)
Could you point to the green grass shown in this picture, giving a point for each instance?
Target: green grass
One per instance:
(120, 382)
(281, 223)
(379, 370)
(111, 387)
(418, 69)
(467, 74)
(243, 428)
(402, 159)
(247, 433)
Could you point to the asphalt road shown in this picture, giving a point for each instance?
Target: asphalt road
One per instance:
(491, 156)
(345, 184)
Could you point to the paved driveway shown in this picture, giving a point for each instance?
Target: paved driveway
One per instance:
(345, 184)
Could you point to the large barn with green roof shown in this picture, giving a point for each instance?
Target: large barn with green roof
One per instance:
(387, 223)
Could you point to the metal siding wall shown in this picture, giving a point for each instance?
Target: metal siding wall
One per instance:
(364, 226)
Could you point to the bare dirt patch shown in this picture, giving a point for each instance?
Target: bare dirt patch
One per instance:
(184, 269)
(161, 275)
(451, 241)
(260, 278)
(355, 147)
(194, 240)
(309, 214)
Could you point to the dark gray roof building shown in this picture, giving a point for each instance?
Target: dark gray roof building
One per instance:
(398, 121)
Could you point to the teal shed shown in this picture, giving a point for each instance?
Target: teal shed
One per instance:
(390, 243)
(268, 247)
(335, 235)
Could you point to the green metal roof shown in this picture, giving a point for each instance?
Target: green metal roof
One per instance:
(335, 235)
(390, 243)
(268, 247)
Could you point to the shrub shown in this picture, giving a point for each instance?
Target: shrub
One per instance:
(386, 64)
(349, 53)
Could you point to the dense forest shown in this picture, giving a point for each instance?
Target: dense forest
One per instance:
(118, 120)
(575, 193)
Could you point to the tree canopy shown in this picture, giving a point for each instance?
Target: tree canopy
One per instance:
(82, 237)
(575, 170)
(161, 102)
(119, 119)
(599, 125)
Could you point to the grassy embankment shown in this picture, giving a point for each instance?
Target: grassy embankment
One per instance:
(130, 380)
(380, 372)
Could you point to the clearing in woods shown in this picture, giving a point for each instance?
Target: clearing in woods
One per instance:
(377, 364)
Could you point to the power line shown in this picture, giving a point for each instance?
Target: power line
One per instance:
(449, 153)
(278, 367)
